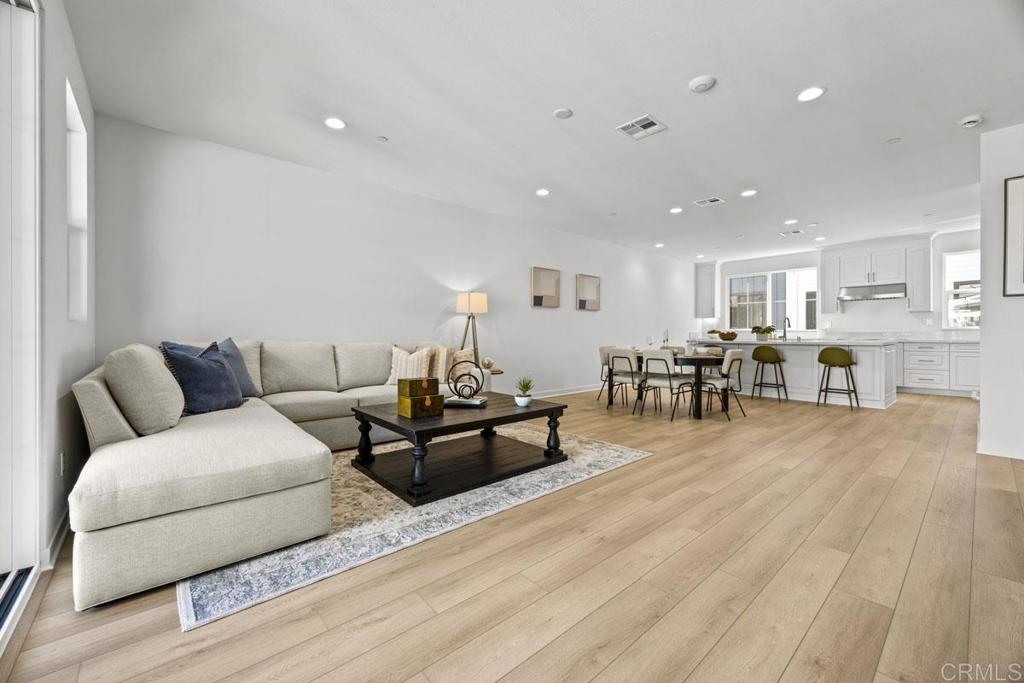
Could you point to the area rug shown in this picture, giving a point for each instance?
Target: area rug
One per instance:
(369, 522)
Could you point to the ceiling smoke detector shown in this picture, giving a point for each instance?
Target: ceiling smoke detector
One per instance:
(701, 84)
(709, 201)
(971, 120)
(642, 127)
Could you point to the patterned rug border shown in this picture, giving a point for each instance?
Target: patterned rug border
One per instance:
(186, 611)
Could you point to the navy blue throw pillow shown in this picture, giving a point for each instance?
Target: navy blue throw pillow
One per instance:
(235, 360)
(206, 379)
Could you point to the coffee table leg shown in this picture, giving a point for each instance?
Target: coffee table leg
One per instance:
(487, 432)
(554, 448)
(419, 470)
(365, 451)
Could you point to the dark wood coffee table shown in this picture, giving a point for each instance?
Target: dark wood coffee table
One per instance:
(456, 465)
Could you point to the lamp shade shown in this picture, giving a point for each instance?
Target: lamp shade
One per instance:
(471, 302)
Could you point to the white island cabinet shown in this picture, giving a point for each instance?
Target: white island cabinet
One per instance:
(875, 372)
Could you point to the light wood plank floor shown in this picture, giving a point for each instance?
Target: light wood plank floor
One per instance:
(796, 544)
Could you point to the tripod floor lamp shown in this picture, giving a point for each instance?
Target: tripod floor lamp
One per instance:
(471, 303)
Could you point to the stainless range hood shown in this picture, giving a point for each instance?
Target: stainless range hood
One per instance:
(873, 292)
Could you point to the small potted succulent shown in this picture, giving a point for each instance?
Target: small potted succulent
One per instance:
(763, 333)
(524, 385)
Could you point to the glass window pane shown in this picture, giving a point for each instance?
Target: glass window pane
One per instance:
(961, 274)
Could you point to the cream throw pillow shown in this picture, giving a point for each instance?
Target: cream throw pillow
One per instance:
(405, 365)
(441, 364)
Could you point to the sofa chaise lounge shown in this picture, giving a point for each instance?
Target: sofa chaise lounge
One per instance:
(218, 487)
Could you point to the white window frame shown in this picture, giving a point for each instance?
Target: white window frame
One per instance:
(769, 298)
(948, 293)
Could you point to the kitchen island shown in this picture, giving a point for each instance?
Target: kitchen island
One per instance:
(875, 372)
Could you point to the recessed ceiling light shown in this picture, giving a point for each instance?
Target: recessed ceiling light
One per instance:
(739, 237)
(971, 120)
(659, 245)
(810, 94)
(894, 141)
(791, 221)
(613, 214)
(812, 225)
(676, 209)
(543, 192)
(748, 193)
(700, 255)
(783, 234)
(562, 113)
(334, 123)
(925, 215)
(382, 138)
(819, 238)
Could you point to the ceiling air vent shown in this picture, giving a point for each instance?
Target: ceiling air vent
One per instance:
(643, 127)
(709, 201)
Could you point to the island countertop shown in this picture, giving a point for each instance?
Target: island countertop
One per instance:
(801, 342)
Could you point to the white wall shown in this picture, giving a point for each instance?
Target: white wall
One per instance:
(198, 240)
(68, 348)
(858, 316)
(1002, 365)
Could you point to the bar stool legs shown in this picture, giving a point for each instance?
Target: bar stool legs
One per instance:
(835, 357)
(779, 384)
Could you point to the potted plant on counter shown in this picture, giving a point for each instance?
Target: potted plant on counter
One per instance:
(524, 385)
(763, 333)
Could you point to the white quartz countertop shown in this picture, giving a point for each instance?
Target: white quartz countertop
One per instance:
(839, 341)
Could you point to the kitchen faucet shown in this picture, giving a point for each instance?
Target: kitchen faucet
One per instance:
(785, 324)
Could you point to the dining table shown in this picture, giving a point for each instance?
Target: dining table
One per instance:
(698, 362)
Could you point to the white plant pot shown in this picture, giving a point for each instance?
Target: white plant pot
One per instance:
(523, 401)
(762, 337)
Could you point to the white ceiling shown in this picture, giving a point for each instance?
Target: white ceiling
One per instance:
(464, 89)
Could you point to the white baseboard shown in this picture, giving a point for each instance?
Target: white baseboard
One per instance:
(566, 392)
(56, 542)
(1005, 450)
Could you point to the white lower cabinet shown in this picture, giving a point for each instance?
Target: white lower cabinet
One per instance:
(941, 366)
(964, 367)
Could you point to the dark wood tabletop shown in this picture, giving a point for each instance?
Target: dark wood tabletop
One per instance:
(500, 409)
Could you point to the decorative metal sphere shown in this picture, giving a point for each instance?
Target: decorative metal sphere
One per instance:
(487, 362)
(466, 379)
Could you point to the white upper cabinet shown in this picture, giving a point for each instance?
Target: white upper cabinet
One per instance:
(872, 267)
(888, 266)
(855, 269)
(704, 290)
(919, 279)
(828, 283)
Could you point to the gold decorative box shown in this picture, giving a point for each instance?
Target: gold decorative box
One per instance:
(415, 407)
(417, 386)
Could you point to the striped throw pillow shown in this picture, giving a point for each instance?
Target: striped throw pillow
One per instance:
(405, 365)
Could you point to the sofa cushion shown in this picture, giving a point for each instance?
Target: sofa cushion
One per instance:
(373, 395)
(206, 459)
(383, 393)
(302, 406)
(361, 365)
(298, 366)
(205, 377)
(144, 389)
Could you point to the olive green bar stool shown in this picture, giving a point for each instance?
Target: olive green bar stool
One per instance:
(836, 357)
(765, 356)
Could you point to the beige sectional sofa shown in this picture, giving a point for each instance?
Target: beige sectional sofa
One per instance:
(223, 486)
